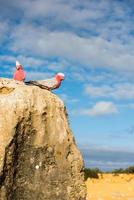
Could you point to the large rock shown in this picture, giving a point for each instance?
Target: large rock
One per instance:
(39, 159)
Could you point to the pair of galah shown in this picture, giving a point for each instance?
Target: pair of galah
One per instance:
(49, 84)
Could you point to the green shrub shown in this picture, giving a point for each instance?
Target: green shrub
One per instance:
(91, 173)
(129, 170)
(118, 171)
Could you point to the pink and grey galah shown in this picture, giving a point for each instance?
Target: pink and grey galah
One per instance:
(49, 84)
(19, 74)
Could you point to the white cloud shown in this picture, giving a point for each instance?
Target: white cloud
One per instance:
(36, 68)
(107, 43)
(93, 51)
(36, 75)
(102, 78)
(4, 28)
(100, 108)
(95, 91)
(131, 105)
(31, 61)
(86, 32)
(63, 11)
(59, 65)
(117, 91)
(24, 60)
(124, 91)
(74, 13)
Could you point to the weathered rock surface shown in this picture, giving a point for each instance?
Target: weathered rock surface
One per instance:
(39, 159)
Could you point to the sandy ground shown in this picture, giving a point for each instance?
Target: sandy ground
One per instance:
(111, 187)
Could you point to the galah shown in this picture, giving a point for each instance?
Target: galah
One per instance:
(19, 74)
(49, 84)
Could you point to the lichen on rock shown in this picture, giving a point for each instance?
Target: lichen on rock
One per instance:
(38, 155)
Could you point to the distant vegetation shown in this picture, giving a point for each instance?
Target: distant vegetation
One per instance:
(94, 172)
(129, 170)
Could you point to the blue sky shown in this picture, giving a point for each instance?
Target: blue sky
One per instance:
(92, 42)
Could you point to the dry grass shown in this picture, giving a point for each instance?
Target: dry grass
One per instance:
(111, 187)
